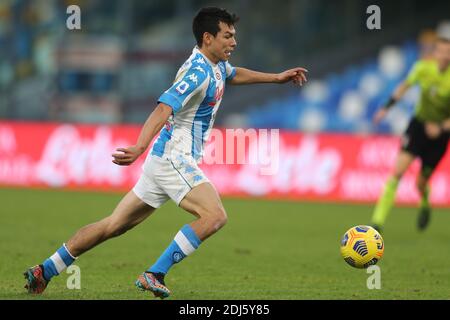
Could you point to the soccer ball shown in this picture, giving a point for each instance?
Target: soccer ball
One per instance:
(362, 246)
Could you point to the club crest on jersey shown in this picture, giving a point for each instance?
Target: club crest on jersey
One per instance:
(218, 76)
(182, 87)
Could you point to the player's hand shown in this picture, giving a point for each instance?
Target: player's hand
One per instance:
(380, 115)
(433, 130)
(126, 156)
(296, 75)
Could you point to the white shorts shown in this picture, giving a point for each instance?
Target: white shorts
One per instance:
(164, 178)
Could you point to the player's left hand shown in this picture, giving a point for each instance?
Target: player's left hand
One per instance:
(127, 155)
(296, 75)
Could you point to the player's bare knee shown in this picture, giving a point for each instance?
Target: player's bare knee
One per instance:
(218, 219)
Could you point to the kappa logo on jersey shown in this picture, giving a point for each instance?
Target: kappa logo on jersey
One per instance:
(182, 87)
(200, 69)
(200, 60)
(193, 78)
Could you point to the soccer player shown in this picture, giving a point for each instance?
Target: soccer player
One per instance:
(427, 134)
(183, 118)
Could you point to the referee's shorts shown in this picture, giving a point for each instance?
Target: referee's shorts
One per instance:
(430, 151)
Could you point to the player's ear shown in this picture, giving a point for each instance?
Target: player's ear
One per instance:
(207, 38)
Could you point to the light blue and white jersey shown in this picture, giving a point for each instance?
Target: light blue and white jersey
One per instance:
(195, 97)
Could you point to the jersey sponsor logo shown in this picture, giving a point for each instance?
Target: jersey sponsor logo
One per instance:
(217, 96)
(219, 93)
(168, 126)
(193, 78)
(182, 87)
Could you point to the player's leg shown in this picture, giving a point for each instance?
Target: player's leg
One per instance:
(129, 212)
(386, 201)
(424, 190)
(203, 202)
(433, 154)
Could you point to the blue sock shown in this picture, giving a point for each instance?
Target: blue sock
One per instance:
(59, 261)
(185, 242)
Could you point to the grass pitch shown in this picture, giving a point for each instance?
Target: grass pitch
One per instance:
(268, 250)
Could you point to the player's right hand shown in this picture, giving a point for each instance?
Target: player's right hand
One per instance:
(380, 115)
(126, 156)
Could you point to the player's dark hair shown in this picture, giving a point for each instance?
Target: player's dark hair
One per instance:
(207, 20)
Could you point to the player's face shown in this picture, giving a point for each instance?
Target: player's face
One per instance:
(222, 45)
(442, 54)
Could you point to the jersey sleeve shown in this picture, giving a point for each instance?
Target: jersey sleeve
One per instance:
(184, 88)
(230, 71)
(415, 73)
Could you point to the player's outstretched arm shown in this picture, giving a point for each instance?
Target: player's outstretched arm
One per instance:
(247, 76)
(152, 126)
(397, 95)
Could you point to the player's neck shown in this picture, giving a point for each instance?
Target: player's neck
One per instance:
(209, 56)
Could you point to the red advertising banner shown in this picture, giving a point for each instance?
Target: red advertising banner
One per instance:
(285, 165)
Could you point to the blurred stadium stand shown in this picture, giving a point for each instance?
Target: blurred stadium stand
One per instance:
(128, 52)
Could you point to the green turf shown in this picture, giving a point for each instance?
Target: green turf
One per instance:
(268, 250)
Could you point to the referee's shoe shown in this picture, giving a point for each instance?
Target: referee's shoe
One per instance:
(423, 218)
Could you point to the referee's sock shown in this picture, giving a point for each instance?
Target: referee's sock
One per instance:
(424, 199)
(185, 243)
(385, 202)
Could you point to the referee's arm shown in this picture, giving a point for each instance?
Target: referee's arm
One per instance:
(446, 125)
(399, 92)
